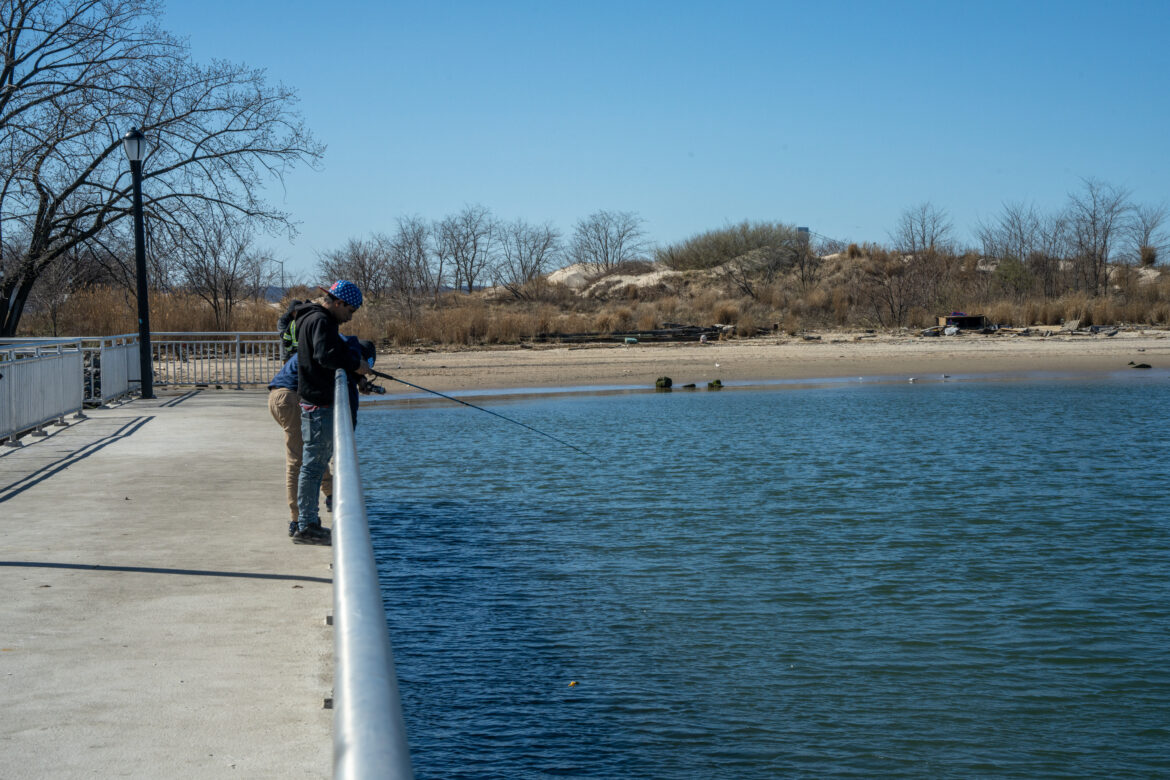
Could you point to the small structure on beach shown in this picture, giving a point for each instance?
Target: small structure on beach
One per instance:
(958, 319)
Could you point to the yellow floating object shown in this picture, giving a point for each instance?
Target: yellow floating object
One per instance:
(572, 683)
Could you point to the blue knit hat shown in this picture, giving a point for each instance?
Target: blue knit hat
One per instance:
(346, 292)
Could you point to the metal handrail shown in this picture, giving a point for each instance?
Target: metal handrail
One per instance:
(38, 342)
(36, 387)
(369, 733)
(235, 358)
(106, 373)
(215, 333)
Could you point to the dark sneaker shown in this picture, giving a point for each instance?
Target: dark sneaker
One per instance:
(329, 503)
(292, 527)
(314, 534)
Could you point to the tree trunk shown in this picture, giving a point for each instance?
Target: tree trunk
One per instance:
(12, 304)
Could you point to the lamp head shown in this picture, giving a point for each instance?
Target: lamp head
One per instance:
(135, 143)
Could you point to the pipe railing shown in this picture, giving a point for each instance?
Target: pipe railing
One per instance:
(109, 363)
(369, 734)
(112, 368)
(236, 359)
(39, 385)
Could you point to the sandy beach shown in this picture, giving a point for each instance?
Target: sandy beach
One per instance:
(833, 355)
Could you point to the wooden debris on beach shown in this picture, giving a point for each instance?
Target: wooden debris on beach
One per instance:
(963, 321)
(672, 332)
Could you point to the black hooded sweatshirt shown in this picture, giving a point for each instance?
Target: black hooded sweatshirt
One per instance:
(320, 352)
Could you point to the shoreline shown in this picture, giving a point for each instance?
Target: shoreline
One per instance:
(769, 359)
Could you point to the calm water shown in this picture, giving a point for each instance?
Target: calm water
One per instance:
(961, 579)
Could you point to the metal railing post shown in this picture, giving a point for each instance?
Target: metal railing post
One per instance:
(239, 368)
(369, 733)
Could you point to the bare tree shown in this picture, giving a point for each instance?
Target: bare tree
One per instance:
(758, 268)
(1014, 233)
(1096, 216)
(365, 262)
(1147, 233)
(923, 228)
(923, 236)
(1052, 248)
(749, 273)
(76, 75)
(61, 281)
(468, 241)
(526, 253)
(220, 264)
(606, 239)
(892, 283)
(411, 278)
(808, 260)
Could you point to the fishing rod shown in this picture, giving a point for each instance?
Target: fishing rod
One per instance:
(489, 411)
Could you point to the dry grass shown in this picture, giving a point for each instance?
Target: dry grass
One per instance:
(837, 299)
(107, 311)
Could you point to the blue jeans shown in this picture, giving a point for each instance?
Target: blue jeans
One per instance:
(317, 434)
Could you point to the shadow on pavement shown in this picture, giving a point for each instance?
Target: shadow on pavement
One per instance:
(67, 460)
(152, 570)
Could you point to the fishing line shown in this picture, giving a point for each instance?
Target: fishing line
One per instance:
(489, 411)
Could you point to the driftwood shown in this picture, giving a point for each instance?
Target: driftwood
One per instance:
(676, 333)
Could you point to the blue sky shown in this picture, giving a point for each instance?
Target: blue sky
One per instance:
(834, 115)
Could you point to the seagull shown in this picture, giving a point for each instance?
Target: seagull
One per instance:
(911, 379)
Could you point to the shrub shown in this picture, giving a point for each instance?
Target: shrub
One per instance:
(792, 323)
(716, 247)
(726, 313)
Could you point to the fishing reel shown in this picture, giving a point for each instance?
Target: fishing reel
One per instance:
(368, 387)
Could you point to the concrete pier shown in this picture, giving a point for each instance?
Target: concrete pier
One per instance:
(155, 618)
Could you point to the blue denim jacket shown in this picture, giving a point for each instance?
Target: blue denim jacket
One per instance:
(287, 376)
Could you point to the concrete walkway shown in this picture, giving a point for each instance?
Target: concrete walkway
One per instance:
(155, 618)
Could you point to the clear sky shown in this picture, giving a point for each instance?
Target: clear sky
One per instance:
(834, 115)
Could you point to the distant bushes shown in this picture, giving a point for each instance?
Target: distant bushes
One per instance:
(862, 286)
(716, 247)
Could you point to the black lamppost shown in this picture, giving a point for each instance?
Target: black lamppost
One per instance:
(135, 143)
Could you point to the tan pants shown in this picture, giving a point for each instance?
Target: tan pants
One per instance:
(286, 410)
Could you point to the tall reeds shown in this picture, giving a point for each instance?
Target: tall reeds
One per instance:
(841, 296)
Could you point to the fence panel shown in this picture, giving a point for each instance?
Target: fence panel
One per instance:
(244, 359)
(118, 355)
(109, 361)
(40, 383)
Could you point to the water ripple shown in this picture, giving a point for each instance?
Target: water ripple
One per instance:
(951, 580)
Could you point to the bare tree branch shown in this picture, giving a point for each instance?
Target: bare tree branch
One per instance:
(76, 75)
(605, 239)
(527, 252)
